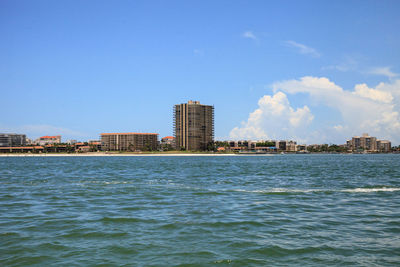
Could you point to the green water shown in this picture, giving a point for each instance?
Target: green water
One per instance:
(311, 210)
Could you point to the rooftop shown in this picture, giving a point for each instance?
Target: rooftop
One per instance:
(50, 137)
(22, 147)
(128, 133)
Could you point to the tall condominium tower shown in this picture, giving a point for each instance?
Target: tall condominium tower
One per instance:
(193, 126)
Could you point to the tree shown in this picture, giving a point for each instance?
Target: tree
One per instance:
(265, 144)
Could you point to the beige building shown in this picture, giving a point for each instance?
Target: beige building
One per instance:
(384, 145)
(129, 141)
(193, 126)
(285, 145)
(364, 142)
(368, 143)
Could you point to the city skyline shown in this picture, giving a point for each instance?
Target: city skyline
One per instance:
(312, 72)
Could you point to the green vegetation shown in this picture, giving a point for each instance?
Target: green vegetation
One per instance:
(221, 144)
(327, 148)
(265, 144)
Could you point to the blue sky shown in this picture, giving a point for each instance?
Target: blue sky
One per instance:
(314, 71)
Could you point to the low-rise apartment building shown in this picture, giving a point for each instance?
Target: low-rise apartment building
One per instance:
(384, 146)
(369, 144)
(12, 139)
(129, 141)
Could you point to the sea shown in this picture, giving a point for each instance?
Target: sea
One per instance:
(279, 210)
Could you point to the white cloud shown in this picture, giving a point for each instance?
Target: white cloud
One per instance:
(383, 71)
(393, 88)
(273, 117)
(303, 49)
(378, 95)
(249, 34)
(371, 110)
(363, 109)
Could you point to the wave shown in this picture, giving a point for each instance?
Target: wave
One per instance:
(277, 191)
(370, 190)
(294, 191)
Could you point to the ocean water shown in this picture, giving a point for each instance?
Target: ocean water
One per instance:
(281, 210)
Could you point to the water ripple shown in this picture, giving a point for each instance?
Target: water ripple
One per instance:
(311, 210)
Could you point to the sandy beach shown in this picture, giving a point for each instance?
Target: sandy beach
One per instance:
(102, 154)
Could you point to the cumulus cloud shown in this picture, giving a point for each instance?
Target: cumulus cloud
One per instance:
(393, 88)
(363, 109)
(249, 34)
(273, 117)
(377, 95)
(303, 49)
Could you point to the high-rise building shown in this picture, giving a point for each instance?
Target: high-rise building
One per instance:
(11, 139)
(193, 126)
(129, 141)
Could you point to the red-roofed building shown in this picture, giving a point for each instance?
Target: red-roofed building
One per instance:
(168, 143)
(95, 145)
(168, 140)
(46, 140)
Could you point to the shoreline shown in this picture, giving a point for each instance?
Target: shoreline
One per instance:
(103, 154)
(96, 154)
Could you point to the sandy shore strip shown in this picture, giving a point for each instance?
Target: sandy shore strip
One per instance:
(116, 155)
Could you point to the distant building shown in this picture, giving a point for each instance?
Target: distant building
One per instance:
(242, 144)
(128, 141)
(168, 140)
(22, 149)
(95, 145)
(193, 126)
(301, 148)
(384, 146)
(284, 145)
(83, 149)
(368, 143)
(364, 142)
(12, 139)
(280, 145)
(291, 146)
(265, 145)
(29, 141)
(48, 140)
